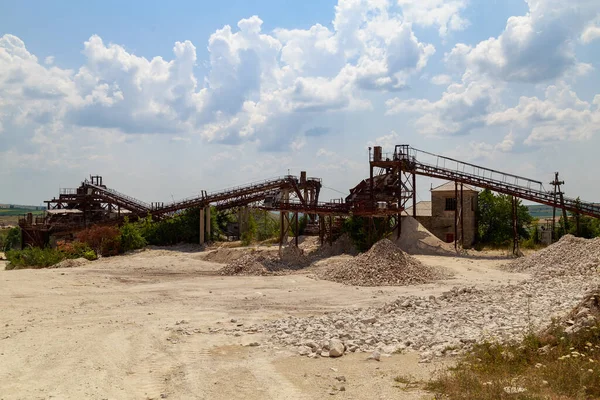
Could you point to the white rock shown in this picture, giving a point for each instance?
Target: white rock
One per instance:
(375, 356)
(336, 348)
(304, 350)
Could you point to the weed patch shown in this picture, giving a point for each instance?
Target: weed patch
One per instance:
(552, 365)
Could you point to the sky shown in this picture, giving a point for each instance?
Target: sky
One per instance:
(165, 99)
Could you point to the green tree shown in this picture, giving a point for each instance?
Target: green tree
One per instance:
(215, 229)
(267, 225)
(495, 216)
(13, 239)
(131, 236)
(581, 225)
(250, 234)
(302, 222)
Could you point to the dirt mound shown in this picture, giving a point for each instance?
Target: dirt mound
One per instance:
(78, 262)
(257, 263)
(226, 255)
(416, 239)
(385, 264)
(342, 245)
(292, 255)
(569, 256)
(223, 255)
(308, 243)
(251, 264)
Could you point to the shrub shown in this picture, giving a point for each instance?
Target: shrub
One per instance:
(76, 250)
(131, 237)
(104, 240)
(34, 257)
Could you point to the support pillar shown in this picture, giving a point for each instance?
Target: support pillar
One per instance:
(564, 211)
(515, 214)
(462, 215)
(322, 229)
(201, 226)
(208, 224)
(281, 229)
(414, 196)
(455, 215)
(297, 231)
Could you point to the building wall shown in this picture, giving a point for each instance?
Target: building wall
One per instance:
(442, 221)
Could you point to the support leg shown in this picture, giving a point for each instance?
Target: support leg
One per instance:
(202, 226)
(414, 196)
(462, 215)
(297, 229)
(455, 216)
(207, 213)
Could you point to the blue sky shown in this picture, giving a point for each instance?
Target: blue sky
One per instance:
(165, 99)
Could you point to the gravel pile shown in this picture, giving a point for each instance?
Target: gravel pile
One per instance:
(433, 326)
(416, 239)
(71, 263)
(292, 258)
(569, 256)
(385, 264)
(585, 314)
(342, 245)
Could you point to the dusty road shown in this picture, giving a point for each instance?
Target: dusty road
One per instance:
(142, 326)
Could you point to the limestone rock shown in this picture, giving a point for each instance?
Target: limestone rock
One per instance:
(336, 348)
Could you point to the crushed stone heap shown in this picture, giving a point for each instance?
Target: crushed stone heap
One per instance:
(435, 325)
(569, 256)
(251, 264)
(416, 239)
(71, 263)
(385, 264)
(342, 245)
(291, 258)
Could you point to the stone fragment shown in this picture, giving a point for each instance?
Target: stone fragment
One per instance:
(376, 355)
(336, 348)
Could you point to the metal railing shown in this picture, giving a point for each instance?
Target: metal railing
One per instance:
(143, 206)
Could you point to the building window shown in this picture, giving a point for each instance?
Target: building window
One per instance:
(450, 203)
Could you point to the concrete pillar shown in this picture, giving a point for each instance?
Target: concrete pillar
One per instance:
(285, 224)
(201, 226)
(208, 222)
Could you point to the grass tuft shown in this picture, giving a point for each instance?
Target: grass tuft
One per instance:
(552, 365)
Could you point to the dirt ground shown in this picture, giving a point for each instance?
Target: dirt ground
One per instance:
(146, 326)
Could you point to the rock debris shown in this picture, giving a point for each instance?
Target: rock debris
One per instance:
(384, 264)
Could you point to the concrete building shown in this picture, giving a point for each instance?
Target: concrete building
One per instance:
(438, 214)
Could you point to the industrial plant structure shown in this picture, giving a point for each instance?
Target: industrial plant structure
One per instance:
(388, 193)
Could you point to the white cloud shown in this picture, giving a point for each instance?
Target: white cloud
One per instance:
(591, 32)
(134, 94)
(258, 85)
(560, 116)
(462, 107)
(441, 79)
(535, 47)
(331, 161)
(298, 143)
(387, 142)
(507, 144)
(49, 60)
(443, 14)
